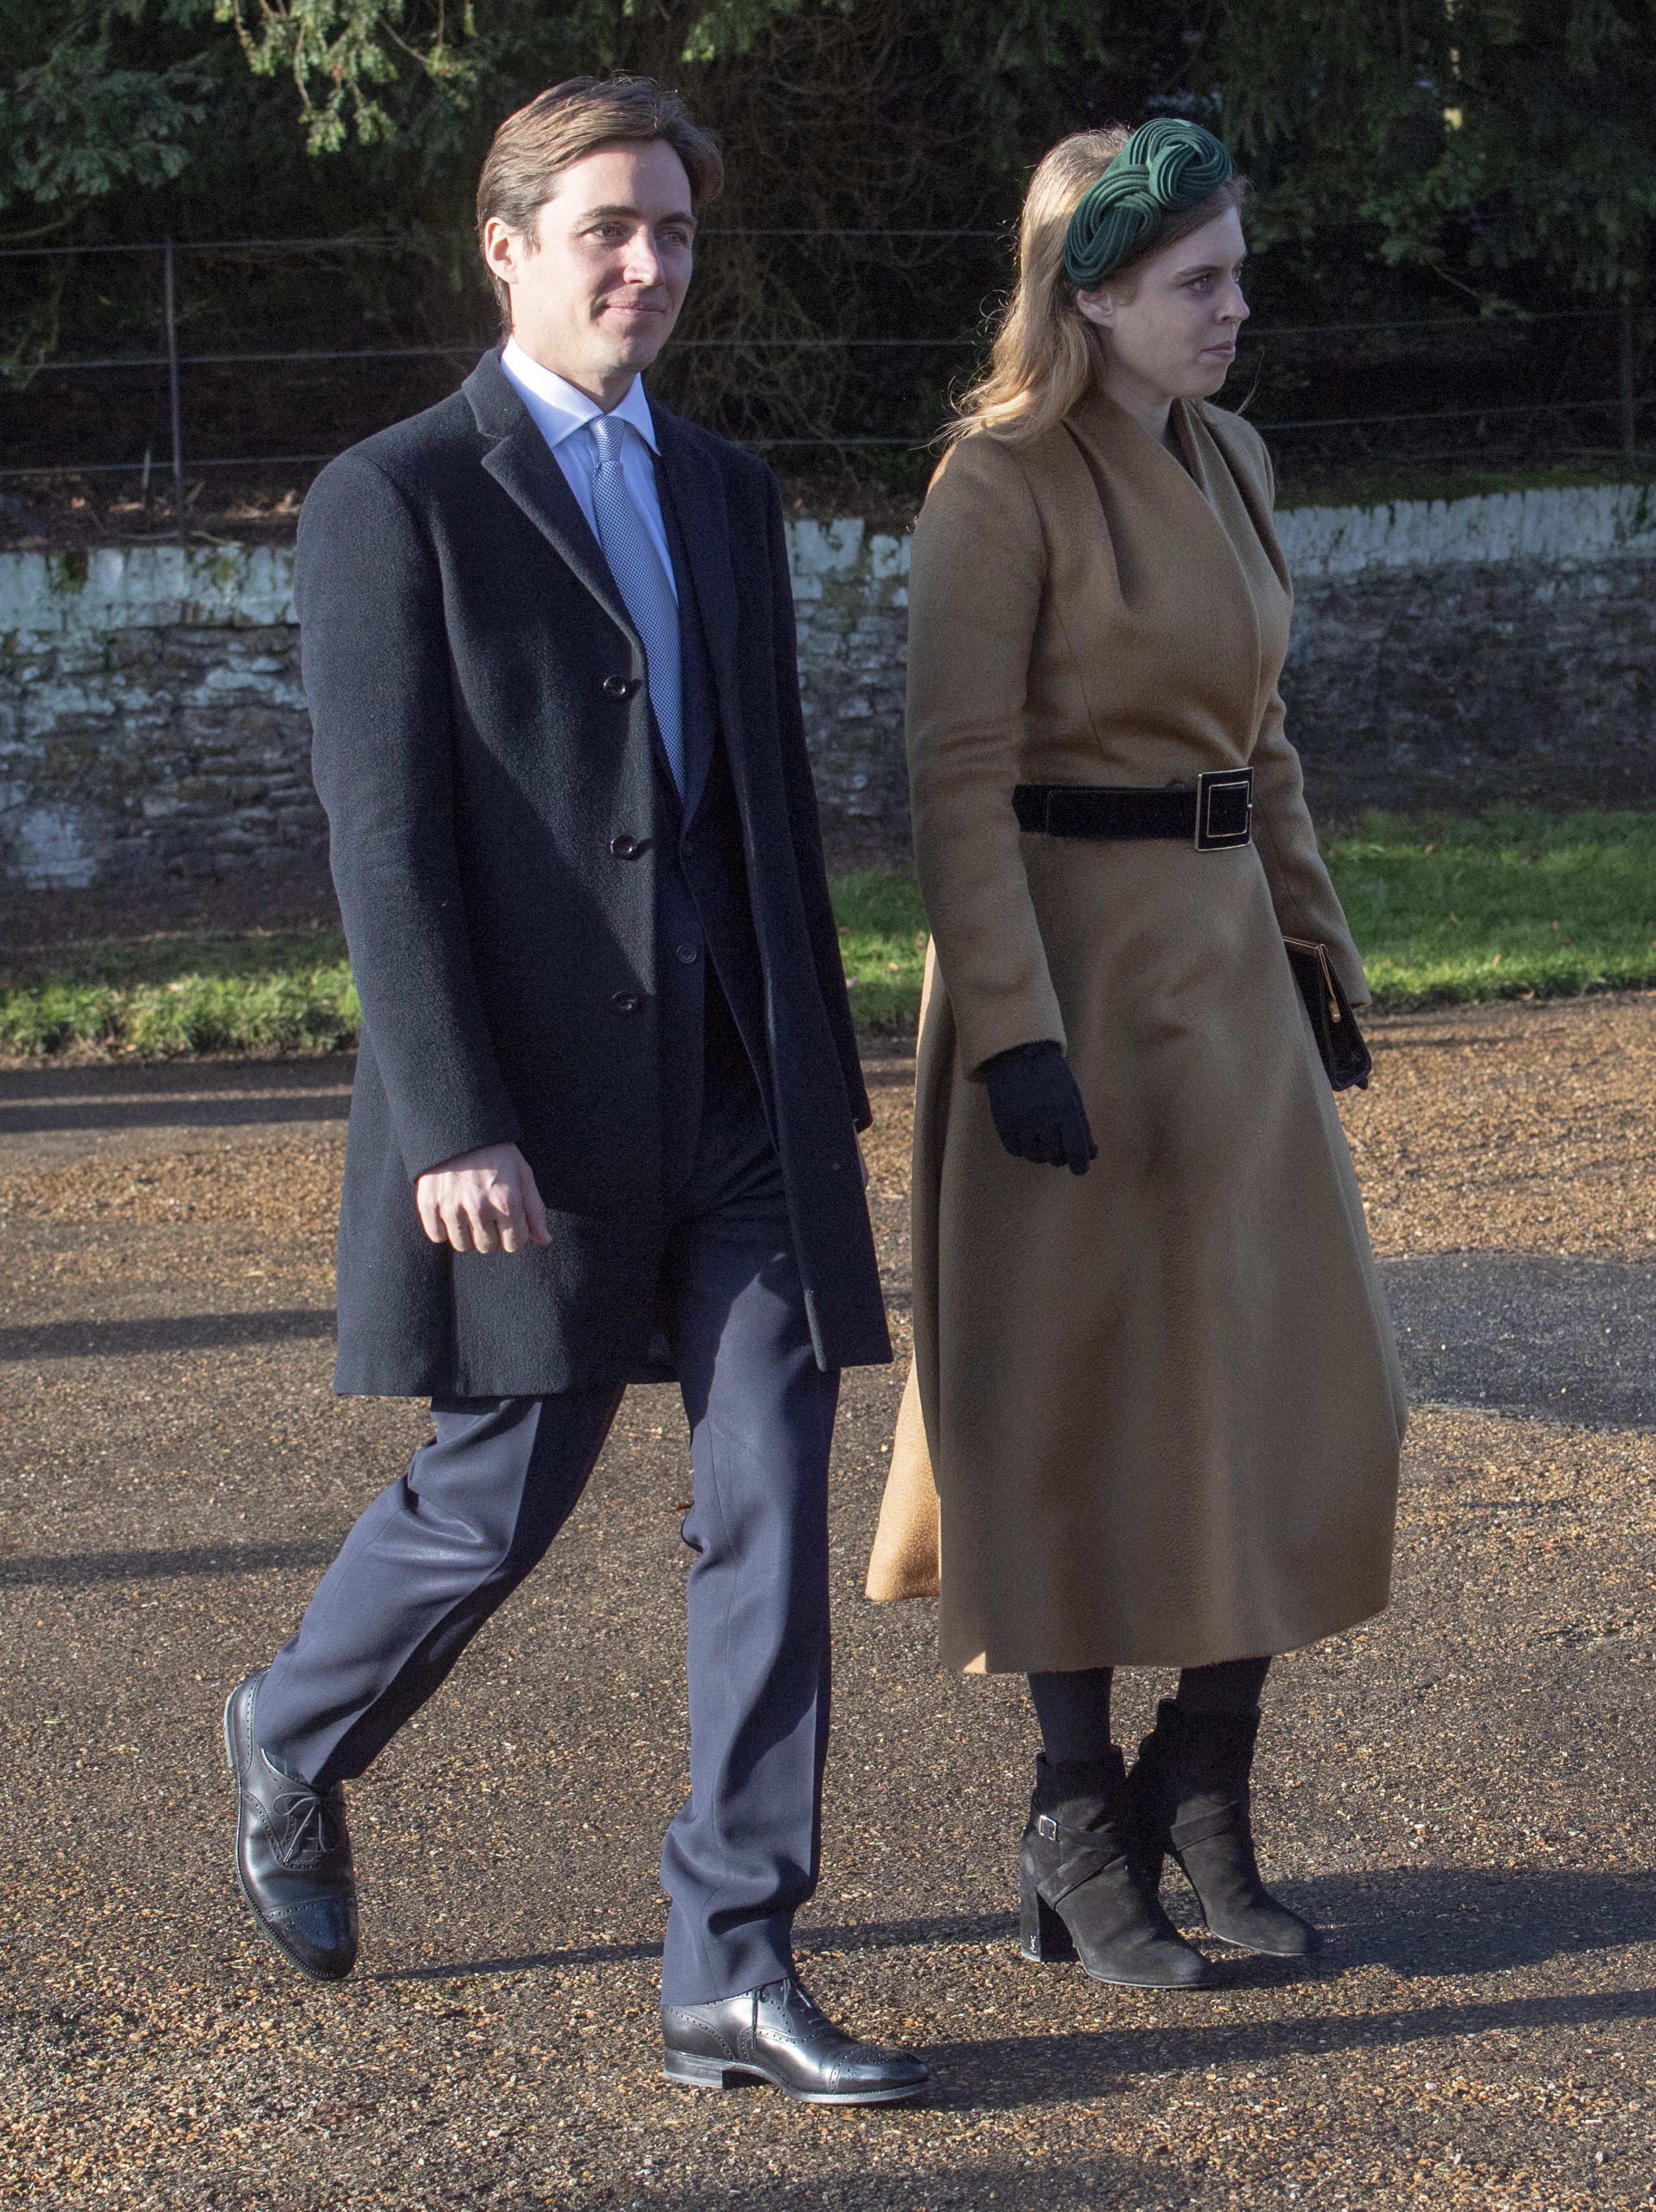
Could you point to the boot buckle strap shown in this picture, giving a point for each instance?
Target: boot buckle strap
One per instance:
(1079, 1862)
(1048, 1827)
(1227, 1821)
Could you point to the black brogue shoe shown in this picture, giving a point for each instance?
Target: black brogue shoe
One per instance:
(780, 2034)
(293, 1852)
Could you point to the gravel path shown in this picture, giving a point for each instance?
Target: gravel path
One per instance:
(1462, 1793)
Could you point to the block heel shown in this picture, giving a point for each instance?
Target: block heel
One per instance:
(1043, 1939)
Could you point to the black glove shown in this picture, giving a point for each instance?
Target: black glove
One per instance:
(1037, 1108)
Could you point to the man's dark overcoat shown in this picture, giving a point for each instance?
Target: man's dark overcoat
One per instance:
(483, 747)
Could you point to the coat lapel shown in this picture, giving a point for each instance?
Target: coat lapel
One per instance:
(522, 464)
(704, 522)
(700, 715)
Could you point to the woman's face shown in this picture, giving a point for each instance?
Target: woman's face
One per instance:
(1172, 327)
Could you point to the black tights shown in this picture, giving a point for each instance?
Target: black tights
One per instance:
(1074, 1709)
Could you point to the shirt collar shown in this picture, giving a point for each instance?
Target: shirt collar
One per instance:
(560, 408)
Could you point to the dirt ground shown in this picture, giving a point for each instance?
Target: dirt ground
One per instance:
(1461, 1792)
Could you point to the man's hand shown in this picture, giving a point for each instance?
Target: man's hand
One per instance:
(482, 1201)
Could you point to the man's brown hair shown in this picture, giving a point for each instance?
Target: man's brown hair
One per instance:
(533, 147)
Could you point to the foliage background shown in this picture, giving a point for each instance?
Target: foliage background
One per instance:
(1464, 167)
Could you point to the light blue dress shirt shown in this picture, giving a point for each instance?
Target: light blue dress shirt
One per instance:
(560, 410)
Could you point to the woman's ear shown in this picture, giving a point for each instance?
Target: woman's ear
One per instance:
(1098, 307)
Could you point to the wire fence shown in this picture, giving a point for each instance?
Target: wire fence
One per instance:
(1615, 407)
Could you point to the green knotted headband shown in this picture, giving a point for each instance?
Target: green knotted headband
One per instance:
(1165, 167)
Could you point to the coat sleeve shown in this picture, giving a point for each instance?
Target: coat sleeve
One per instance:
(1306, 902)
(974, 594)
(1302, 892)
(374, 656)
(803, 820)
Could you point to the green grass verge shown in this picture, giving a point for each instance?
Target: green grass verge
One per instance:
(1514, 904)
(167, 998)
(1517, 903)
(882, 944)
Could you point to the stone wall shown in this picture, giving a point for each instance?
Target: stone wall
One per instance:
(851, 602)
(152, 725)
(151, 719)
(1455, 654)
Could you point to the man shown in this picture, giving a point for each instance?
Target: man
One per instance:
(608, 1090)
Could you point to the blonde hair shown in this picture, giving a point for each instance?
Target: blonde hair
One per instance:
(1047, 355)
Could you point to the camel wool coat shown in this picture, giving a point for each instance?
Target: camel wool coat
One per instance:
(1156, 1410)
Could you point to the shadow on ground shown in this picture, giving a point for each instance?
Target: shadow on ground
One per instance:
(199, 1093)
(1443, 1921)
(1568, 1340)
(131, 1340)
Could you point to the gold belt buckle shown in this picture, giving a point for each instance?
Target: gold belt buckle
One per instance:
(1224, 809)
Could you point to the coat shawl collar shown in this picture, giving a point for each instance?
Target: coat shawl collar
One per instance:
(1205, 434)
(1197, 495)
(1123, 442)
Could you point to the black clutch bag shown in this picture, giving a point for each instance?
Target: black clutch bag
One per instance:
(1344, 1055)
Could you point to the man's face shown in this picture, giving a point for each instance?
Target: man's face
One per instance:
(595, 296)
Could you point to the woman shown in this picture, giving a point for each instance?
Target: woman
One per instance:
(1153, 1370)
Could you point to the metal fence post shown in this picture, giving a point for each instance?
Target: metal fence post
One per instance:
(173, 375)
(1624, 347)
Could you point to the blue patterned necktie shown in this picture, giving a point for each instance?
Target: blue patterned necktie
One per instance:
(644, 583)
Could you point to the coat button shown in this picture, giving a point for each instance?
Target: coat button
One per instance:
(618, 687)
(687, 953)
(627, 1002)
(624, 848)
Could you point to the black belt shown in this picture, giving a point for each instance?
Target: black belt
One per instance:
(1216, 815)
